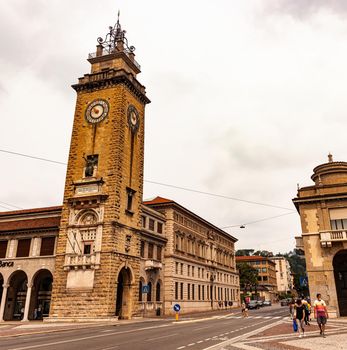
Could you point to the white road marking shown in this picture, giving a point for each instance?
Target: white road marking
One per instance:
(163, 336)
(107, 330)
(84, 338)
(191, 344)
(181, 347)
(200, 341)
(207, 339)
(197, 329)
(111, 347)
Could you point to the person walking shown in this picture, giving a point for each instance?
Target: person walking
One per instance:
(291, 309)
(244, 310)
(307, 311)
(320, 313)
(299, 316)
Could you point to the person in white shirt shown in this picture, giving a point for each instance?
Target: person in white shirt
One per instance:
(320, 313)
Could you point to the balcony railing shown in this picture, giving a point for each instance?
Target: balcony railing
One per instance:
(327, 237)
(153, 264)
(82, 261)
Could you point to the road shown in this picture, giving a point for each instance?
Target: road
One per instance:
(189, 333)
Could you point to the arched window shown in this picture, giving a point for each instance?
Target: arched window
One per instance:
(149, 294)
(157, 292)
(140, 291)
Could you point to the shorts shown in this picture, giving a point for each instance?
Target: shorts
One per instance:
(321, 320)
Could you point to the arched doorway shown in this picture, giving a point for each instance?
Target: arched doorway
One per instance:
(16, 295)
(158, 291)
(1, 286)
(340, 272)
(123, 301)
(41, 295)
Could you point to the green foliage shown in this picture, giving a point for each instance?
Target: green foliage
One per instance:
(244, 252)
(263, 253)
(248, 275)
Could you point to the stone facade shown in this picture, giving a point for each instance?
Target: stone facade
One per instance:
(323, 213)
(200, 271)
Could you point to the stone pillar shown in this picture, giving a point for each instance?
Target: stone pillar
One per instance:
(3, 302)
(27, 304)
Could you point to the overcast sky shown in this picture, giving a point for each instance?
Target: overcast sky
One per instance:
(247, 98)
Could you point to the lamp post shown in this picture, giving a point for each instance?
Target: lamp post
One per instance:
(212, 278)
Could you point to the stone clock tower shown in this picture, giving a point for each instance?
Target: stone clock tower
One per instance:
(98, 249)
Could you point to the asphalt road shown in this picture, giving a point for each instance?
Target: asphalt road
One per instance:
(193, 333)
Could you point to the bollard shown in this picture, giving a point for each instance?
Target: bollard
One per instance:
(176, 316)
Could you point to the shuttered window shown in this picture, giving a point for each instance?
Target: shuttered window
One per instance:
(3, 248)
(47, 246)
(23, 247)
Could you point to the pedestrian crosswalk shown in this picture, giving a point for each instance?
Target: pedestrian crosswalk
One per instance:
(266, 317)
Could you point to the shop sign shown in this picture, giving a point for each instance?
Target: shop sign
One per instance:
(6, 263)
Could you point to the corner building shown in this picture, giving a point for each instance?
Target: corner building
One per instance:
(323, 213)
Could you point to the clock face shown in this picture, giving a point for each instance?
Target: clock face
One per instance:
(97, 111)
(133, 118)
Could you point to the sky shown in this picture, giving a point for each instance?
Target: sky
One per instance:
(248, 96)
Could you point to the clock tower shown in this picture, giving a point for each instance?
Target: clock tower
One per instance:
(98, 248)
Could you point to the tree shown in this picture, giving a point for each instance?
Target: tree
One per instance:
(263, 253)
(248, 275)
(244, 252)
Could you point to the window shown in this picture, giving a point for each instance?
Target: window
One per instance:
(47, 246)
(23, 247)
(193, 268)
(3, 249)
(177, 242)
(176, 269)
(160, 227)
(159, 252)
(188, 290)
(193, 291)
(157, 292)
(149, 294)
(203, 292)
(87, 248)
(188, 270)
(264, 269)
(181, 269)
(199, 292)
(130, 193)
(198, 272)
(142, 249)
(151, 224)
(176, 290)
(143, 219)
(150, 251)
(181, 291)
(264, 278)
(140, 291)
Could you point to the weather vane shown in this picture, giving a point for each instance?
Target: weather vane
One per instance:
(115, 35)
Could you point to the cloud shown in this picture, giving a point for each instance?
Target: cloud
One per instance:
(302, 9)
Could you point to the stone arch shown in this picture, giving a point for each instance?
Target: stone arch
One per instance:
(87, 217)
(150, 285)
(340, 274)
(41, 294)
(124, 294)
(16, 295)
(159, 290)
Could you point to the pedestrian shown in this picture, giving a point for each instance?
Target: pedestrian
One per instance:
(321, 313)
(244, 310)
(299, 316)
(307, 311)
(291, 309)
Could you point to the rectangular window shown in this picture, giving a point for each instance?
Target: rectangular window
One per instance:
(188, 270)
(203, 292)
(142, 249)
(150, 251)
(159, 253)
(87, 248)
(143, 220)
(193, 291)
(160, 227)
(198, 272)
(151, 224)
(176, 269)
(3, 249)
(188, 290)
(193, 268)
(47, 246)
(199, 292)
(181, 291)
(176, 290)
(181, 269)
(23, 247)
(131, 194)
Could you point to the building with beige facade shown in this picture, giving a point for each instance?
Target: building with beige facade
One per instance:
(284, 278)
(105, 253)
(323, 213)
(266, 268)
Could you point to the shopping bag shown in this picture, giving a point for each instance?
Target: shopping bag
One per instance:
(295, 326)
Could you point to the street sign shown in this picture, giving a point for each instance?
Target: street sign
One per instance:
(303, 281)
(145, 289)
(177, 307)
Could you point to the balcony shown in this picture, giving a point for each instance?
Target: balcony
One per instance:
(153, 265)
(86, 261)
(328, 237)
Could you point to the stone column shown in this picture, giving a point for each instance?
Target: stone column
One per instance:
(27, 304)
(3, 302)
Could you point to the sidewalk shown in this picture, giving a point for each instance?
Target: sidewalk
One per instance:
(281, 337)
